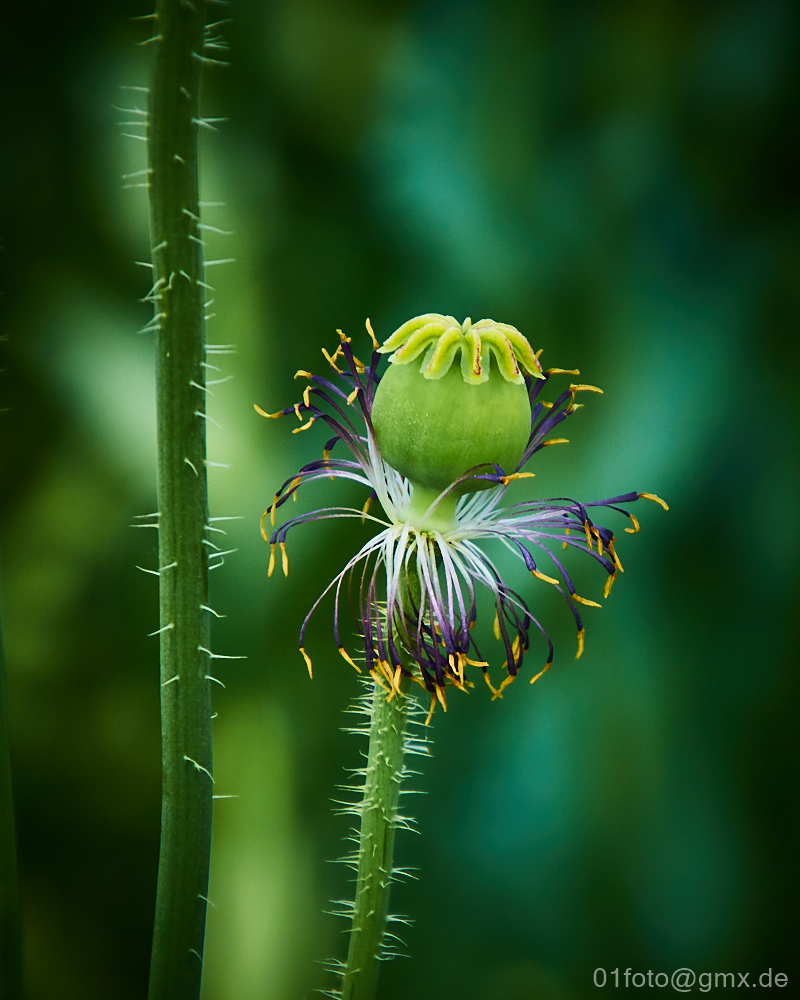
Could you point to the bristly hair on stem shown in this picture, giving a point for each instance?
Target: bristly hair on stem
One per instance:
(178, 295)
(393, 716)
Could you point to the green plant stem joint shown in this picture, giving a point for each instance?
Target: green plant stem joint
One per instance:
(436, 420)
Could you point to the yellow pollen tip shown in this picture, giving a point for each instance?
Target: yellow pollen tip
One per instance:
(271, 569)
(475, 663)
(562, 371)
(496, 627)
(284, 559)
(352, 396)
(430, 714)
(272, 510)
(332, 360)
(302, 374)
(546, 405)
(506, 681)
(588, 534)
(263, 413)
(505, 480)
(489, 684)
(655, 499)
(584, 600)
(546, 444)
(609, 584)
(346, 656)
(441, 696)
(371, 332)
(635, 528)
(307, 658)
(579, 654)
(542, 576)
(379, 680)
(264, 534)
(585, 388)
(543, 671)
(305, 426)
(307, 395)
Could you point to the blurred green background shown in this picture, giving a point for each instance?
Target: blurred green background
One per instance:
(620, 181)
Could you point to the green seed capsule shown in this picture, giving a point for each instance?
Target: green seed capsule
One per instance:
(435, 421)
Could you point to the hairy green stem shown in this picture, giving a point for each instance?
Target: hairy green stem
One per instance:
(10, 928)
(178, 293)
(379, 819)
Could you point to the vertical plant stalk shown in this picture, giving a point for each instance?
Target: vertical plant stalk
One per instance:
(379, 821)
(178, 293)
(10, 924)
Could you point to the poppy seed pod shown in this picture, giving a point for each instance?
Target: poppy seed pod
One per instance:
(434, 421)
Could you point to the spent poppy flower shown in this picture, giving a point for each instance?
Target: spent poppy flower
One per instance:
(438, 444)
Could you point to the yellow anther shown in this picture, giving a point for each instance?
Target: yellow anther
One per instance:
(284, 559)
(652, 496)
(496, 627)
(585, 388)
(584, 600)
(441, 696)
(344, 340)
(612, 552)
(588, 535)
(307, 395)
(506, 681)
(272, 510)
(609, 584)
(542, 576)
(562, 371)
(332, 360)
(300, 373)
(475, 663)
(386, 669)
(271, 559)
(305, 426)
(379, 680)
(635, 528)
(264, 534)
(539, 353)
(371, 332)
(546, 444)
(295, 482)
(489, 684)
(564, 544)
(545, 404)
(298, 414)
(346, 656)
(352, 396)
(430, 714)
(505, 480)
(579, 654)
(263, 413)
(307, 658)
(542, 671)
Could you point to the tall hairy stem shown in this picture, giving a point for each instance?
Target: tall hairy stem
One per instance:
(10, 931)
(379, 819)
(178, 293)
